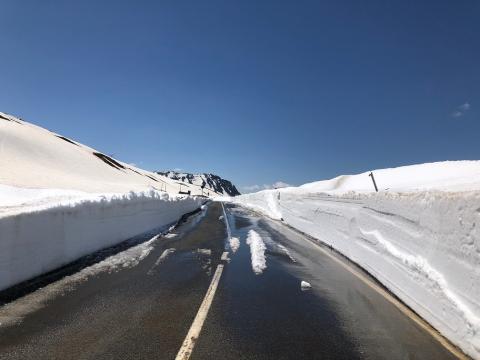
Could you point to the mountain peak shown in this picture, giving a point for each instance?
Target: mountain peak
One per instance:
(209, 181)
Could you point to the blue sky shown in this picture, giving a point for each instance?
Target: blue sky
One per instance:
(256, 91)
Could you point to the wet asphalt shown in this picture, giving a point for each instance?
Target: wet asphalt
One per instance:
(144, 310)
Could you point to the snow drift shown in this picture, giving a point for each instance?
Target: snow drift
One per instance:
(61, 200)
(420, 238)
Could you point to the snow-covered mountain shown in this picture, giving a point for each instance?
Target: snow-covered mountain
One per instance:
(210, 182)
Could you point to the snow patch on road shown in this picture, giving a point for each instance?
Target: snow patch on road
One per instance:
(234, 243)
(257, 251)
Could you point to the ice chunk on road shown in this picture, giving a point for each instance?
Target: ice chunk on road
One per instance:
(257, 250)
(305, 285)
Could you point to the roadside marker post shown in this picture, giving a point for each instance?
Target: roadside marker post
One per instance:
(373, 179)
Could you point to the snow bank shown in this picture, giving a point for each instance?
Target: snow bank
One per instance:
(257, 251)
(421, 239)
(45, 236)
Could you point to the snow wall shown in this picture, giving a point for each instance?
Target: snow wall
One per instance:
(41, 240)
(423, 246)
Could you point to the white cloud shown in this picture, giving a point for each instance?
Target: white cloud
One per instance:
(461, 110)
(256, 187)
(277, 185)
(251, 188)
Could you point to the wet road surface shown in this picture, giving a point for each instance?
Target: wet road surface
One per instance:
(139, 304)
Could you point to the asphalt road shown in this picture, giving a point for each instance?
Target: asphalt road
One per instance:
(140, 303)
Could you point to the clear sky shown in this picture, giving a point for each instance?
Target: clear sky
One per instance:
(256, 91)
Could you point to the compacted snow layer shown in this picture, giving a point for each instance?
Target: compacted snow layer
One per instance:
(44, 237)
(424, 245)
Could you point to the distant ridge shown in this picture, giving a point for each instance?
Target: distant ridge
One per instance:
(210, 181)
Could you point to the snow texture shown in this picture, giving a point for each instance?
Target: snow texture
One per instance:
(257, 251)
(421, 239)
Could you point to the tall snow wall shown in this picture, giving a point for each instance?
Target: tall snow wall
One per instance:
(38, 241)
(423, 246)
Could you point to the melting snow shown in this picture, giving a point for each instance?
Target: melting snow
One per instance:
(234, 243)
(257, 250)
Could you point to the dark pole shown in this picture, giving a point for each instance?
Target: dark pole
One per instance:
(373, 179)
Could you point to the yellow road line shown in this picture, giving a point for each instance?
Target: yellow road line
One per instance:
(188, 344)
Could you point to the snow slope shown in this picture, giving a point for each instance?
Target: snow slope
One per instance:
(421, 238)
(33, 157)
(60, 200)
